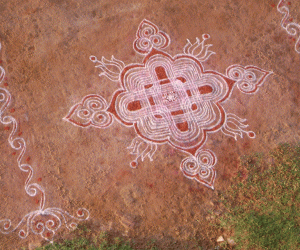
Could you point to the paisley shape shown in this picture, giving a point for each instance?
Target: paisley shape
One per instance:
(91, 111)
(200, 167)
(148, 37)
(248, 78)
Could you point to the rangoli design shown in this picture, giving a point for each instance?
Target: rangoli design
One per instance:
(170, 100)
(292, 28)
(43, 221)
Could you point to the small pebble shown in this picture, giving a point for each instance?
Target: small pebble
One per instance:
(220, 239)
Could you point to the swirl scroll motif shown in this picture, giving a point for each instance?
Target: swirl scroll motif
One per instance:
(292, 28)
(43, 221)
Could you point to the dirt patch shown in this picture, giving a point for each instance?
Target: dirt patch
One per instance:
(46, 49)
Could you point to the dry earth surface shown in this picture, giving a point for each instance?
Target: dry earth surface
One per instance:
(46, 45)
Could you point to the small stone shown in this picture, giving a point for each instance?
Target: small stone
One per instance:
(231, 242)
(220, 239)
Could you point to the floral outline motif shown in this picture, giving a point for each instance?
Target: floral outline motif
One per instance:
(175, 100)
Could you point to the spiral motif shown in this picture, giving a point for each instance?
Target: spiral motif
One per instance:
(293, 29)
(206, 158)
(96, 103)
(190, 166)
(144, 44)
(236, 73)
(204, 172)
(101, 119)
(246, 87)
(18, 143)
(84, 113)
(148, 31)
(31, 190)
(250, 76)
(158, 41)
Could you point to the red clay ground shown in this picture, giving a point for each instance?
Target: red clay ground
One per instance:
(46, 46)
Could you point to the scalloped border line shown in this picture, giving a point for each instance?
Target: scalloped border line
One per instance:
(43, 221)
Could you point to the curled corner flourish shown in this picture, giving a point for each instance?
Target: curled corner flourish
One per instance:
(43, 221)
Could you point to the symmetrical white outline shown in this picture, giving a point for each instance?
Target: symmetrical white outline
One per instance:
(43, 221)
(90, 112)
(292, 28)
(172, 100)
(200, 50)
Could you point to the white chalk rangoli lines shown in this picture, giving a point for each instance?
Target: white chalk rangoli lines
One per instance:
(170, 100)
(90, 112)
(43, 221)
(292, 28)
